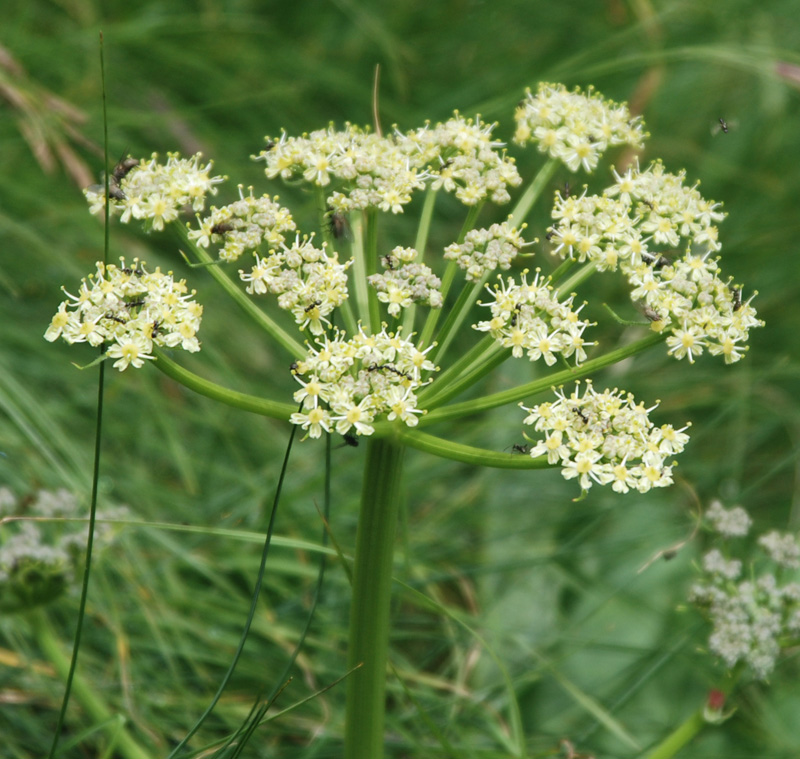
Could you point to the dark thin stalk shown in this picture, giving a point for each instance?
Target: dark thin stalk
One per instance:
(87, 567)
(253, 603)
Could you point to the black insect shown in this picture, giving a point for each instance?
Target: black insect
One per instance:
(520, 448)
(220, 228)
(350, 439)
(339, 225)
(388, 368)
(115, 318)
(550, 235)
(582, 414)
(312, 306)
(270, 145)
(134, 303)
(124, 167)
(565, 191)
(737, 298)
(723, 125)
(156, 327)
(388, 262)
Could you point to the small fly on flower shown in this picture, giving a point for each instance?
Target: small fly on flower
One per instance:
(120, 171)
(340, 227)
(220, 228)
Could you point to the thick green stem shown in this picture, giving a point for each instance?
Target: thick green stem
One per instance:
(369, 612)
(124, 744)
(532, 193)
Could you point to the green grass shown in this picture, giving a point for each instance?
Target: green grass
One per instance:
(538, 600)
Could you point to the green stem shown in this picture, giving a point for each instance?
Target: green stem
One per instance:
(679, 737)
(455, 318)
(359, 278)
(532, 193)
(371, 257)
(449, 276)
(421, 242)
(89, 700)
(242, 299)
(202, 386)
(369, 611)
(476, 405)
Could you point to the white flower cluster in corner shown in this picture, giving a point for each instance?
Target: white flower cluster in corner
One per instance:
(130, 310)
(606, 438)
(755, 611)
(529, 318)
(405, 282)
(574, 127)
(154, 191)
(660, 234)
(346, 384)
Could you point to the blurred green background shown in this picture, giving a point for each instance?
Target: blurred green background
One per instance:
(593, 648)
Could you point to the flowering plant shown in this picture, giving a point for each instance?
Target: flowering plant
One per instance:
(369, 326)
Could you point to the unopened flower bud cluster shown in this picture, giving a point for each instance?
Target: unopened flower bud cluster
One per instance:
(574, 127)
(405, 282)
(462, 158)
(754, 606)
(529, 318)
(661, 234)
(605, 438)
(244, 225)
(486, 250)
(309, 282)
(156, 192)
(129, 309)
(38, 556)
(347, 383)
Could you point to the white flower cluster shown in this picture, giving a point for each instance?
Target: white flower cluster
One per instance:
(309, 282)
(462, 158)
(529, 318)
(244, 225)
(405, 282)
(485, 250)
(639, 225)
(574, 127)
(131, 310)
(38, 558)
(752, 618)
(371, 171)
(606, 438)
(348, 383)
(155, 191)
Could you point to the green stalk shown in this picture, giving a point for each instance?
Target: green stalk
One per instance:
(94, 705)
(369, 611)
(532, 193)
(476, 405)
(359, 279)
(371, 258)
(679, 737)
(420, 243)
(449, 276)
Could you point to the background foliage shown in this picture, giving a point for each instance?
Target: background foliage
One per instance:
(595, 650)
